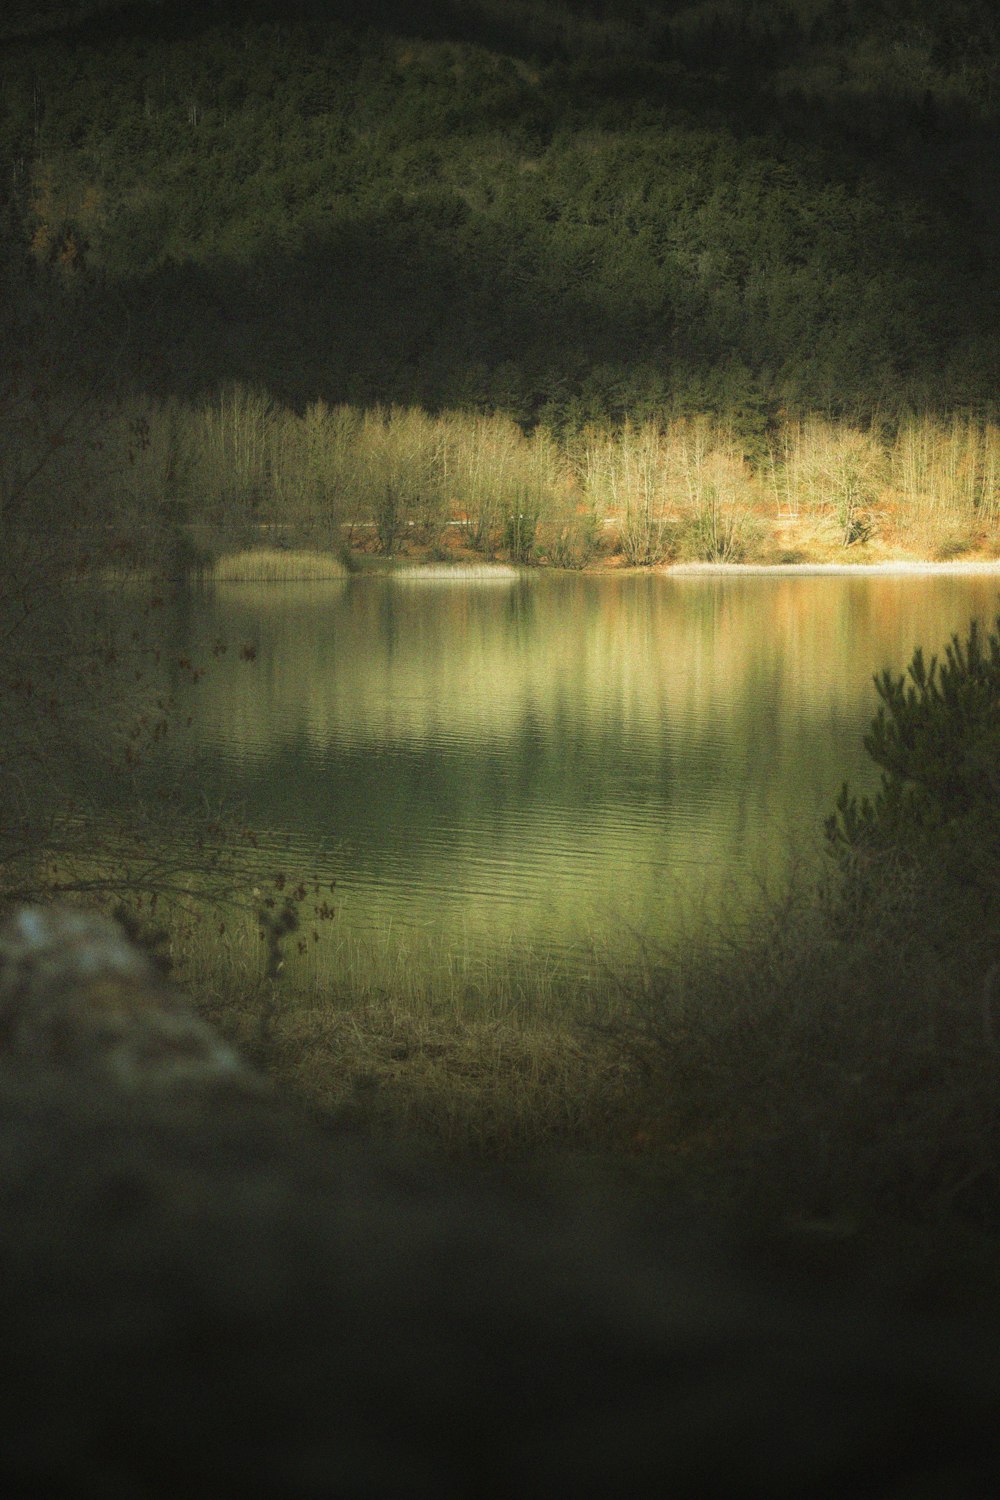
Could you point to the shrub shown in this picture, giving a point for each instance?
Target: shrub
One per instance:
(573, 540)
(929, 841)
(519, 535)
(808, 1079)
(838, 1055)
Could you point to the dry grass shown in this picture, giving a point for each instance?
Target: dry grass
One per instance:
(493, 1087)
(501, 1059)
(488, 1080)
(939, 536)
(833, 1096)
(273, 565)
(823, 1073)
(809, 536)
(464, 572)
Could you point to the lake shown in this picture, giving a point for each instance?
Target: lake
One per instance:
(568, 764)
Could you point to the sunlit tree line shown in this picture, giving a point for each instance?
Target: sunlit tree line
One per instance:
(174, 482)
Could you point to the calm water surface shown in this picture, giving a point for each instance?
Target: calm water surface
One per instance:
(554, 761)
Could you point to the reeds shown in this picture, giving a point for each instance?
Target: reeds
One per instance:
(273, 565)
(493, 1056)
(793, 1070)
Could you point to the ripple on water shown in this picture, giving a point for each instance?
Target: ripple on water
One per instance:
(549, 762)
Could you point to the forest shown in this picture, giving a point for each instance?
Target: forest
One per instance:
(564, 213)
(719, 278)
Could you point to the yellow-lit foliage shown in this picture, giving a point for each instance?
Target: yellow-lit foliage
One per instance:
(250, 471)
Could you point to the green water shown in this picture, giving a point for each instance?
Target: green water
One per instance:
(555, 762)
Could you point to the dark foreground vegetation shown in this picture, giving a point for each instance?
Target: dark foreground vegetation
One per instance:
(205, 1291)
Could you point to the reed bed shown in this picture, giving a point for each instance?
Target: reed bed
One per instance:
(502, 1057)
(458, 572)
(274, 565)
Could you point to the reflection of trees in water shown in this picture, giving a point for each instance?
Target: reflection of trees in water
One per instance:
(579, 746)
(643, 651)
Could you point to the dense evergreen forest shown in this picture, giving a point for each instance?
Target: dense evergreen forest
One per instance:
(567, 213)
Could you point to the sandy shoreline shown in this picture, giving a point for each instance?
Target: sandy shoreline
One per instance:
(415, 570)
(699, 569)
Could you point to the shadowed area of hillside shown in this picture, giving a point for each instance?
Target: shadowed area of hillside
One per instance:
(568, 214)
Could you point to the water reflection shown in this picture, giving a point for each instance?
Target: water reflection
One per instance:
(556, 760)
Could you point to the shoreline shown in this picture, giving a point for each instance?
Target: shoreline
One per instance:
(307, 568)
(284, 555)
(900, 567)
(306, 563)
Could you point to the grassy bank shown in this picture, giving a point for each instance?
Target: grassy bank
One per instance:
(833, 1096)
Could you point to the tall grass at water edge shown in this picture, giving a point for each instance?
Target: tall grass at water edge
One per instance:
(496, 1055)
(836, 1086)
(828, 1077)
(276, 565)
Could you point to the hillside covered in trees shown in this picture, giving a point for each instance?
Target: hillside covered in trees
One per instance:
(565, 213)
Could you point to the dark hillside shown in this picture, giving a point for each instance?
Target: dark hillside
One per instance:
(564, 212)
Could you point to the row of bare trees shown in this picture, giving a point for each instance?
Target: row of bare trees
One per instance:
(170, 478)
(678, 487)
